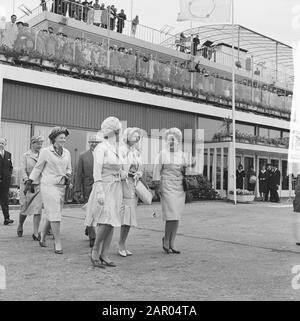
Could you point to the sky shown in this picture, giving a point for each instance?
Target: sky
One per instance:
(279, 19)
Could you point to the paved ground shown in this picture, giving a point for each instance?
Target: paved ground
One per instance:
(229, 253)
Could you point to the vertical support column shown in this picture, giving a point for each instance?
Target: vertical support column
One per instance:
(208, 163)
(222, 170)
(257, 173)
(280, 184)
(231, 168)
(290, 186)
(214, 169)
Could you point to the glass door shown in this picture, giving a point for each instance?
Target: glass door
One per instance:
(284, 176)
(248, 166)
(262, 162)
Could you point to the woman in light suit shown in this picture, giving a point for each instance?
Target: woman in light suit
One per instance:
(168, 177)
(133, 167)
(105, 201)
(54, 169)
(31, 204)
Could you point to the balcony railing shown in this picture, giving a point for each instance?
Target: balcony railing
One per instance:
(282, 75)
(86, 57)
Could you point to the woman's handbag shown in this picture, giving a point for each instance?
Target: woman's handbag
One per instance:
(252, 179)
(189, 182)
(143, 193)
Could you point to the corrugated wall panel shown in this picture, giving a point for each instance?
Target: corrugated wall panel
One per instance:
(37, 104)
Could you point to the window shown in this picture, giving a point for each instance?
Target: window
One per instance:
(285, 134)
(210, 126)
(18, 142)
(245, 129)
(285, 176)
(264, 132)
(274, 133)
(218, 174)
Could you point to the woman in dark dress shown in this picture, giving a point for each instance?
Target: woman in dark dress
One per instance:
(263, 181)
(240, 175)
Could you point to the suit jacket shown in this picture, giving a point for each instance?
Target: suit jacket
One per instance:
(6, 168)
(84, 175)
(274, 179)
(296, 201)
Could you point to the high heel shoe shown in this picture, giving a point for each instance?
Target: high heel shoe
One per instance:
(168, 251)
(110, 264)
(36, 238)
(97, 264)
(122, 253)
(57, 251)
(20, 232)
(174, 251)
(42, 244)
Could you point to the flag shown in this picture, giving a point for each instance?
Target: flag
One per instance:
(294, 148)
(207, 11)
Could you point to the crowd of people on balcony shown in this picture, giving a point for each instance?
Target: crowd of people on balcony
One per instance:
(106, 17)
(177, 74)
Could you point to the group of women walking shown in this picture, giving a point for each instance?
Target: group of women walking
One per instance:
(113, 201)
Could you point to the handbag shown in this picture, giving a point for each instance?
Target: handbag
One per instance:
(189, 182)
(143, 193)
(252, 179)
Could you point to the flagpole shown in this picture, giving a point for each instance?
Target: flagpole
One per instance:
(233, 104)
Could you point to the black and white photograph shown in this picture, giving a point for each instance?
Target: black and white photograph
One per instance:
(149, 152)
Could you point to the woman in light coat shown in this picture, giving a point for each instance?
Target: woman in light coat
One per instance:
(133, 167)
(31, 204)
(105, 201)
(54, 169)
(168, 177)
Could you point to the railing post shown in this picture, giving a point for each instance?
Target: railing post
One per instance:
(35, 40)
(74, 51)
(108, 53)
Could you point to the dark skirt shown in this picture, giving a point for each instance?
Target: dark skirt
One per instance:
(263, 186)
(240, 183)
(296, 203)
(251, 187)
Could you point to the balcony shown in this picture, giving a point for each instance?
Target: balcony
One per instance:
(258, 58)
(94, 61)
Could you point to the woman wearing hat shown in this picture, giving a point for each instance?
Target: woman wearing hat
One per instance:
(105, 202)
(31, 204)
(54, 168)
(133, 166)
(168, 176)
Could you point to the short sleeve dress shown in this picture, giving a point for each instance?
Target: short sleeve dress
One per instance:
(169, 170)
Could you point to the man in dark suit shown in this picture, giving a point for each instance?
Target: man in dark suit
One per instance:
(84, 179)
(274, 183)
(6, 169)
(195, 44)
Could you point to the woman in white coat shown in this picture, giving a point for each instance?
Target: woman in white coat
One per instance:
(168, 177)
(133, 167)
(105, 201)
(54, 169)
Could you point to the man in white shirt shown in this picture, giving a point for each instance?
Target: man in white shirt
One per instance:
(10, 33)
